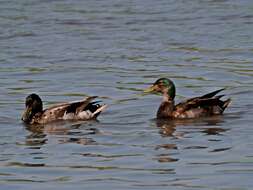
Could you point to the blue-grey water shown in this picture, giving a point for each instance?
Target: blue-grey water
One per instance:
(66, 50)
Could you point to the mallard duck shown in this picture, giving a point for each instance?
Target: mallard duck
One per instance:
(206, 105)
(79, 110)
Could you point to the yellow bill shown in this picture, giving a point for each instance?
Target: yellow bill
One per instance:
(150, 89)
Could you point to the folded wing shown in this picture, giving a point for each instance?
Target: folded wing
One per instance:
(78, 110)
(208, 104)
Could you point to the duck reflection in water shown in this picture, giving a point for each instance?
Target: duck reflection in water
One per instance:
(67, 133)
(168, 128)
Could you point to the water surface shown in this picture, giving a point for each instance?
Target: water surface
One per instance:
(65, 50)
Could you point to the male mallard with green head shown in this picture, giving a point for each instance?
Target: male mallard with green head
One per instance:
(206, 105)
(78, 110)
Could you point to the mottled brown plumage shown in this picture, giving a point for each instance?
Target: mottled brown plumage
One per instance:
(78, 110)
(206, 105)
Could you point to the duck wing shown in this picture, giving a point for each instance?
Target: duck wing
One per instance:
(207, 103)
(212, 94)
(78, 106)
(73, 110)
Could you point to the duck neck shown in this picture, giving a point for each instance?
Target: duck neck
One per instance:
(166, 108)
(167, 97)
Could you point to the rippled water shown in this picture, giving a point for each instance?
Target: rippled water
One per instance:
(65, 50)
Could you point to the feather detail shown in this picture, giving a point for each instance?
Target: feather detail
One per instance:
(84, 104)
(211, 94)
(99, 110)
(206, 105)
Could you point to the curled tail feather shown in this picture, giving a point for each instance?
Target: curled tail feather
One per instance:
(226, 103)
(99, 110)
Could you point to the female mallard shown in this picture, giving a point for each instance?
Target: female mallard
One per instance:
(206, 105)
(78, 110)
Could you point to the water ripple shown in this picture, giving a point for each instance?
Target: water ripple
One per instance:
(66, 50)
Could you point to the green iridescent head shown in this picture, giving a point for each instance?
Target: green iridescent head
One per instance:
(164, 86)
(33, 105)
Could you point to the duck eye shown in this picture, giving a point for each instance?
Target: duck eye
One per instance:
(160, 84)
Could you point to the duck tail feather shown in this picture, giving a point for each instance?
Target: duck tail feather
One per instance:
(211, 94)
(96, 102)
(226, 103)
(99, 110)
(219, 97)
